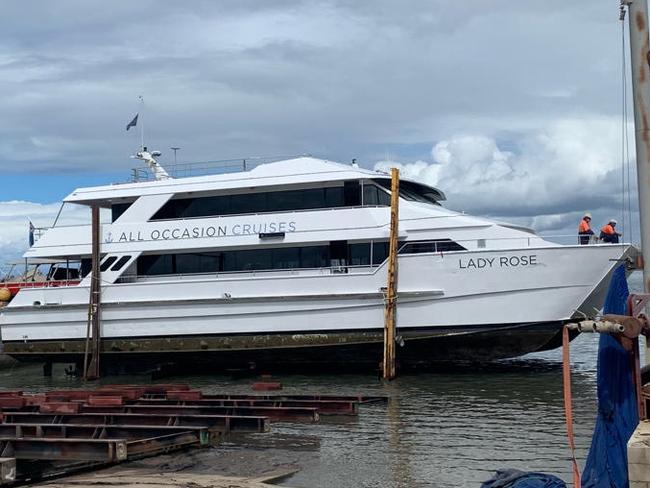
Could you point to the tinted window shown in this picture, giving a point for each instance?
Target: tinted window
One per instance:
(352, 193)
(198, 263)
(107, 263)
(379, 252)
(334, 197)
(442, 245)
(286, 258)
(86, 267)
(360, 254)
(156, 265)
(373, 195)
(314, 257)
(313, 198)
(276, 201)
(412, 191)
(256, 259)
(120, 263)
(118, 209)
(370, 195)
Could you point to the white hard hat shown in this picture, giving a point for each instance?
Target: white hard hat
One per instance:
(586, 215)
(613, 221)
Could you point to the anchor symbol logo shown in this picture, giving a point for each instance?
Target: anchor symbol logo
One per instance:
(109, 238)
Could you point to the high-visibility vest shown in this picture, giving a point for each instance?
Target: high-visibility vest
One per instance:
(583, 227)
(608, 229)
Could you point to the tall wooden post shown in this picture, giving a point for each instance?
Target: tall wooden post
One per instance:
(92, 371)
(390, 298)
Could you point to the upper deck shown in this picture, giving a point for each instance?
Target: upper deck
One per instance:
(279, 174)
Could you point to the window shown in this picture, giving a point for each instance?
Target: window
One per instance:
(338, 253)
(117, 209)
(373, 195)
(86, 267)
(107, 263)
(120, 263)
(314, 257)
(274, 201)
(156, 265)
(286, 258)
(334, 197)
(379, 252)
(441, 245)
(352, 193)
(359, 254)
(413, 191)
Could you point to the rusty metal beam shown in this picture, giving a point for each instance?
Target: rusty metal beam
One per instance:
(219, 423)
(109, 451)
(139, 448)
(106, 432)
(344, 398)
(331, 407)
(273, 413)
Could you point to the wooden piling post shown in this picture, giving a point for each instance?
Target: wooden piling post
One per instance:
(92, 370)
(390, 297)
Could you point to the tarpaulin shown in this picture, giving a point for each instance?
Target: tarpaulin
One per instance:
(606, 465)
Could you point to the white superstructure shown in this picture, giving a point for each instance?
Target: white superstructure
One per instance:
(292, 255)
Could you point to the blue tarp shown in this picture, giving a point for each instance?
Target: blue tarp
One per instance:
(513, 478)
(606, 465)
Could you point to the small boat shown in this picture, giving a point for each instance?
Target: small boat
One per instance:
(37, 274)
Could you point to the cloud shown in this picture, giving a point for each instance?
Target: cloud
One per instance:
(334, 78)
(547, 179)
(524, 130)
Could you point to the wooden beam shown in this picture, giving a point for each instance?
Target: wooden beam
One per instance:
(92, 370)
(390, 298)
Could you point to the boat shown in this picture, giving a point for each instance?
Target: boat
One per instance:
(36, 274)
(284, 264)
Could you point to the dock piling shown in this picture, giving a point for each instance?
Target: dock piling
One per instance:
(390, 297)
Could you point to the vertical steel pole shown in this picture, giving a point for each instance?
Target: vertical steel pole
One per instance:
(390, 298)
(640, 58)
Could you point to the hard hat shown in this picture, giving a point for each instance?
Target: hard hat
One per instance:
(612, 221)
(587, 215)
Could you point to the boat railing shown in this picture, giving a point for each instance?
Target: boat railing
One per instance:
(203, 168)
(330, 270)
(491, 243)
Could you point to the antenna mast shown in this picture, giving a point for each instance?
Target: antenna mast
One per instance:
(141, 123)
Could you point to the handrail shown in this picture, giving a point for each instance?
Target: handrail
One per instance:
(343, 269)
(202, 168)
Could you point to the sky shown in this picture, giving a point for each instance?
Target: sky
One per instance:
(513, 109)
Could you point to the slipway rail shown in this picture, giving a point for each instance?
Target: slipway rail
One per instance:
(62, 431)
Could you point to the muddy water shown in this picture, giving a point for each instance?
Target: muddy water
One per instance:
(448, 429)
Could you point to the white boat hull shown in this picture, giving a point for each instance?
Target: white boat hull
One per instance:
(438, 295)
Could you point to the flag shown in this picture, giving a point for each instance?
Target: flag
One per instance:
(133, 123)
(31, 234)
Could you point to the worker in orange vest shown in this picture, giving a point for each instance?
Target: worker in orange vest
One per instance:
(608, 232)
(584, 229)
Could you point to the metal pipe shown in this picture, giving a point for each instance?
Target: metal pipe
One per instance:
(603, 326)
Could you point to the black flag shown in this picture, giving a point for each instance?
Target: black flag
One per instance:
(133, 123)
